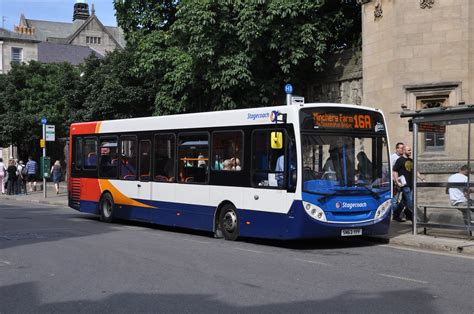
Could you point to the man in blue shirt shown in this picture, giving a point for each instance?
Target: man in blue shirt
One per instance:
(31, 168)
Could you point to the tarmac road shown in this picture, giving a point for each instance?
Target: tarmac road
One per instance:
(54, 259)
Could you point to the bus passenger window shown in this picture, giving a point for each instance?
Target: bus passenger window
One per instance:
(226, 151)
(164, 157)
(90, 153)
(145, 160)
(108, 158)
(193, 158)
(268, 166)
(128, 158)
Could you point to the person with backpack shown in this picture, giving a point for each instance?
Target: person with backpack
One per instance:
(23, 175)
(31, 168)
(3, 172)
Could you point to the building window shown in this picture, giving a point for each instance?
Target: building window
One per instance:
(17, 55)
(433, 142)
(93, 40)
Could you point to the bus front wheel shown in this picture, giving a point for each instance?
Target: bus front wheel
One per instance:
(229, 222)
(106, 207)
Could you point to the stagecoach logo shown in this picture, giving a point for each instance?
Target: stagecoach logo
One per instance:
(350, 205)
(379, 127)
(255, 116)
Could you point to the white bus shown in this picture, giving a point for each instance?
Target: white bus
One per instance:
(284, 172)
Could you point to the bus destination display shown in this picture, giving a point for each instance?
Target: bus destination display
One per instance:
(342, 121)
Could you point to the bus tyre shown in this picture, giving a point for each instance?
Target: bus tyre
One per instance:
(106, 207)
(229, 222)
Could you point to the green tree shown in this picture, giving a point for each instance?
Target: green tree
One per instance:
(109, 90)
(220, 54)
(29, 92)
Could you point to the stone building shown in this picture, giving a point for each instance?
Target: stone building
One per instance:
(48, 41)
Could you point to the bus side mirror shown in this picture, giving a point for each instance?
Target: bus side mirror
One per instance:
(277, 140)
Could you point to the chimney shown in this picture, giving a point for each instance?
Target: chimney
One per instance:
(81, 10)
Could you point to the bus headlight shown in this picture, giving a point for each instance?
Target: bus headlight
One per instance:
(382, 209)
(315, 211)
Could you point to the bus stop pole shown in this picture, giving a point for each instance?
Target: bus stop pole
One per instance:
(44, 159)
(415, 171)
(469, 178)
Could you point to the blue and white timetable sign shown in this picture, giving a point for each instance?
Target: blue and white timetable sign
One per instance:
(288, 88)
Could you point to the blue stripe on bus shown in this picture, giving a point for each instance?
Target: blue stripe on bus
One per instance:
(292, 225)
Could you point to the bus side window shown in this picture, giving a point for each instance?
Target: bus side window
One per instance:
(268, 164)
(164, 157)
(227, 151)
(90, 153)
(108, 158)
(193, 157)
(128, 158)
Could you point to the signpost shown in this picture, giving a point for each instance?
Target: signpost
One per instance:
(288, 91)
(45, 163)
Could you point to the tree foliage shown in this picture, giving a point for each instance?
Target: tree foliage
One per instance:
(99, 89)
(221, 54)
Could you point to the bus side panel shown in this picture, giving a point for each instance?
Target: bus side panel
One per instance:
(90, 195)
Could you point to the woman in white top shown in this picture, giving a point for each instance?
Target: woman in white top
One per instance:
(2, 175)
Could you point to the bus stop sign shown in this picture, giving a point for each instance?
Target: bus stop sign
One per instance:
(288, 88)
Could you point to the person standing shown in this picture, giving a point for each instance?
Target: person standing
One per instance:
(21, 177)
(3, 171)
(56, 174)
(398, 152)
(12, 178)
(397, 204)
(31, 168)
(403, 177)
(460, 196)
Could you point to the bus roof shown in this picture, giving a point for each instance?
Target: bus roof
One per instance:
(237, 117)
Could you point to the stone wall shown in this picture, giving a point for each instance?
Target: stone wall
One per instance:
(340, 81)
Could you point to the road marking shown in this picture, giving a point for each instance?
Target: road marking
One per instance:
(312, 262)
(4, 263)
(248, 250)
(396, 247)
(403, 278)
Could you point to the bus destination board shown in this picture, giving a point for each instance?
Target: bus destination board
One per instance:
(342, 121)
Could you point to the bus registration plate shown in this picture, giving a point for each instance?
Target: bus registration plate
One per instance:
(351, 232)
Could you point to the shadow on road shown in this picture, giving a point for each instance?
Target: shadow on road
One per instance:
(27, 298)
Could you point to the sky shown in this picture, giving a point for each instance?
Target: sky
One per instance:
(51, 10)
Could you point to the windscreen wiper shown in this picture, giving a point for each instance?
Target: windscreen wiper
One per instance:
(372, 192)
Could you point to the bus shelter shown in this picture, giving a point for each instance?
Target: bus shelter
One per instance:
(442, 150)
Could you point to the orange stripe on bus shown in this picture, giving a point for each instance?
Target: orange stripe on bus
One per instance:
(119, 197)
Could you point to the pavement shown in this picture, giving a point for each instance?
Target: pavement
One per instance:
(400, 234)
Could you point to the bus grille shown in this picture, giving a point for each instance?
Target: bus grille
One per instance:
(75, 196)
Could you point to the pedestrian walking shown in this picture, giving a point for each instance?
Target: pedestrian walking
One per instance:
(397, 203)
(3, 171)
(31, 168)
(460, 196)
(12, 178)
(56, 174)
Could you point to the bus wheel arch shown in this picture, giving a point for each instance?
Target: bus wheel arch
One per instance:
(106, 207)
(227, 221)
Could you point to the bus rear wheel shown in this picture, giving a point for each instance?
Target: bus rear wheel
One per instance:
(229, 222)
(106, 207)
